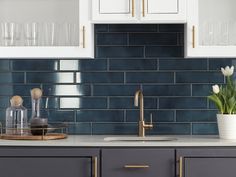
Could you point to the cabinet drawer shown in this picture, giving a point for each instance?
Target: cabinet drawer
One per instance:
(45, 167)
(138, 162)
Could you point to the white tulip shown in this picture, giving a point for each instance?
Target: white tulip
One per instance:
(216, 89)
(227, 71)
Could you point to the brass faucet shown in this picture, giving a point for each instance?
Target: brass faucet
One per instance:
(138, 100)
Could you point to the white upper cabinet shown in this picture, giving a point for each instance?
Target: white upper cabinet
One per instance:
(46, 29)
(139, 11)
(211, 28)
(170, 11)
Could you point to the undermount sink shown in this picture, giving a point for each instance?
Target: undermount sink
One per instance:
(148, 138)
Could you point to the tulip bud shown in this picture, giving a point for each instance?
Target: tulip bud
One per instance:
(216, 89)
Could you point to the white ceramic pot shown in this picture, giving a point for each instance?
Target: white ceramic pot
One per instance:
(227, 126)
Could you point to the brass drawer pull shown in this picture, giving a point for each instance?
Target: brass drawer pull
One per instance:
(132, 8)
(143, 10)
(136, 166)
(181, 167)
(95, 166)
(193, 37)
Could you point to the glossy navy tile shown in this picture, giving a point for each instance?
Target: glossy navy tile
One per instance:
(101, 28)
(171, 28)
(133, 28)
(204, 129)
(133, 64)
(115, 128)
(164, 51)
(46, 102)
(99, 116)
(157, 115)
(170, 129)
(218, 63)
(83, 65)
(67, 90)
(4, 65)
(80, 128)
(149, 77)
(4, 102)
(100, 77)
(201, 89)
(2, 115)
(22, 90)
(120, 51)
(115, 90)
(11, 77)
(61, 116)
(183, 64)
(153, 39)
(180, 39)
(49, 77)
(167, 90)
(112, 39)
(83, 103)
(32, 65)
(199, 77)
(196, 115)
(183, 103)
(128, 103)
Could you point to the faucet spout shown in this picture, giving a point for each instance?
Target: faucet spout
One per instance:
(138, 101)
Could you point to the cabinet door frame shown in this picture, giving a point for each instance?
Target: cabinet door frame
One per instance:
(192, 47)
(114, 17)
(179, 17)
(165, 17)
(84, 50)
(186, 153)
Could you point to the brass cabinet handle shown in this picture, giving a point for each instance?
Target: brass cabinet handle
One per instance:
(95, 166)
(84, 33)
(143, 10)
(133, 5)
(181, 167)
(136, 166)
(193, 36)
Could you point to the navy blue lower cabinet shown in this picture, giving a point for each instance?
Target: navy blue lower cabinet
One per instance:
(48, 162)
(138, 162)
(206, 162)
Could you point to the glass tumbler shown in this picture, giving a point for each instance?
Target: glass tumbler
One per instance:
(10, 33)
(31, 34)
(51, 34)
(71, 33)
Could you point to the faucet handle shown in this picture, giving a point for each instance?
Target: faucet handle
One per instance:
(151, 124)
(151, 118)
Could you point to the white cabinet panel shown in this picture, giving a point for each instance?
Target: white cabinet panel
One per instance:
(114, 6)
(210, 28)
(162, 6)
(114, 11)
(164, 11)
(139, 11)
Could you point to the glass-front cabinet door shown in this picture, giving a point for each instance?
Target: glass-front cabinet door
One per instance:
(45, 29)
(211, 28)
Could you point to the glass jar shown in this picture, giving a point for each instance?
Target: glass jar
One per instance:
(16, 117)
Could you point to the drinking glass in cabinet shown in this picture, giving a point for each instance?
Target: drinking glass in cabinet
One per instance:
(31, 34)
(51, 34)
(70, 34)
(10, 33)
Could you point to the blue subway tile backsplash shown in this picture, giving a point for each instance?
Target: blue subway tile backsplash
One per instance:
(96, 96)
